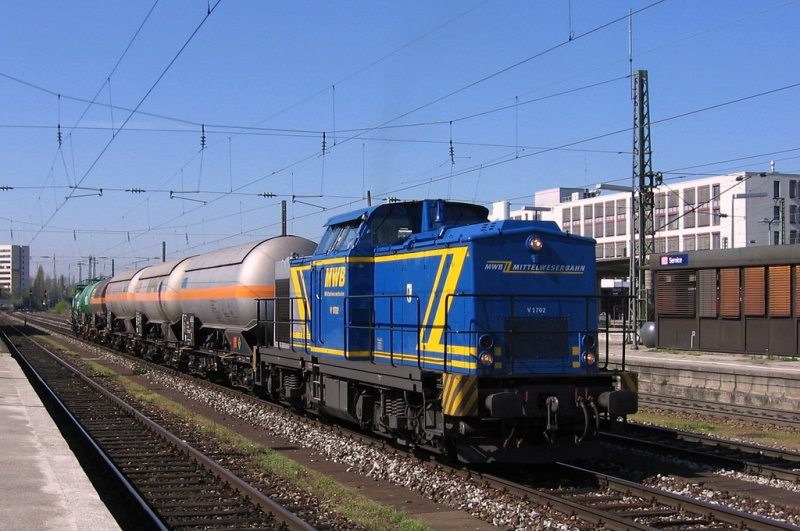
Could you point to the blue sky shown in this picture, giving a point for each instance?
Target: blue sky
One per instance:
(532, 95)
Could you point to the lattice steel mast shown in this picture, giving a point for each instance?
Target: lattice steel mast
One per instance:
(644, 181)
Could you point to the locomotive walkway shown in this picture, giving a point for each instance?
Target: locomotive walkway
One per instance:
(42, 485)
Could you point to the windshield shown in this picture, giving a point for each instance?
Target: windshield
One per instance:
(339, 237)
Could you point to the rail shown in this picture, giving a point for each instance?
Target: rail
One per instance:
(148, 518)
(281, 515)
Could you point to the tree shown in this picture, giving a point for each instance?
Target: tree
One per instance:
(38, 289)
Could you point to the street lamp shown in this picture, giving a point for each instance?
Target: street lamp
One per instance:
(769, 223)
(746, 195)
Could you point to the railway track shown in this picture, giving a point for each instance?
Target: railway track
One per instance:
(770, 463)
(172, 484)
(753, 414)
(602, 499)
(619, 504)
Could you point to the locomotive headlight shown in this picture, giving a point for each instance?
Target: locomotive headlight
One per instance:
(534, 244)
(486, 358)
(485, 342)
(589, 358)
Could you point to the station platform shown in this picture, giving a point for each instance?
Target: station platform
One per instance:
(42, 485)
(754, 380)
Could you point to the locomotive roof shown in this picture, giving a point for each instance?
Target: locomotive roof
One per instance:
(368, 211)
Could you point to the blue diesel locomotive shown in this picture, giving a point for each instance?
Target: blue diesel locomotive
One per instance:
(427, 323)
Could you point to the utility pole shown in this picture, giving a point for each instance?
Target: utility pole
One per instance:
(644, 181)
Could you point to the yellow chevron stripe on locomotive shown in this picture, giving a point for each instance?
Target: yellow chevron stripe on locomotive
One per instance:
(460, 396)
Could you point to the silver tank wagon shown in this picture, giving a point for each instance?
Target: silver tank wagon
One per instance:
(219, 287)
(155, 292)
(119, 294)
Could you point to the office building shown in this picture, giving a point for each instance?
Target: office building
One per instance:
(726, 211)
(15, 262)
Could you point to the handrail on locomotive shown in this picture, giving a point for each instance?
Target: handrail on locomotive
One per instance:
(270, 327)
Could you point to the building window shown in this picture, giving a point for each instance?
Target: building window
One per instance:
(609, 250)
(776, 188)
(660, 212)
(689, 208)
(609, 218)
(703, 242)
(621, 249)
(793, 237)
(672, 220)
(661, 245)
(703, 194)
(793, 189)
(673, 200)
(598, 251)
(673, 244)
(776, 212)
(793, 214)
(703, 206)
(599, 230)
(688, 242)
(715, 240)
(622, 218)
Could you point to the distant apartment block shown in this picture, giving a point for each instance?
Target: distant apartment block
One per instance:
(15, 263)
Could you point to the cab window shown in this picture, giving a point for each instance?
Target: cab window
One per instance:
(457, 215)
(393, 224)
(338, 237)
